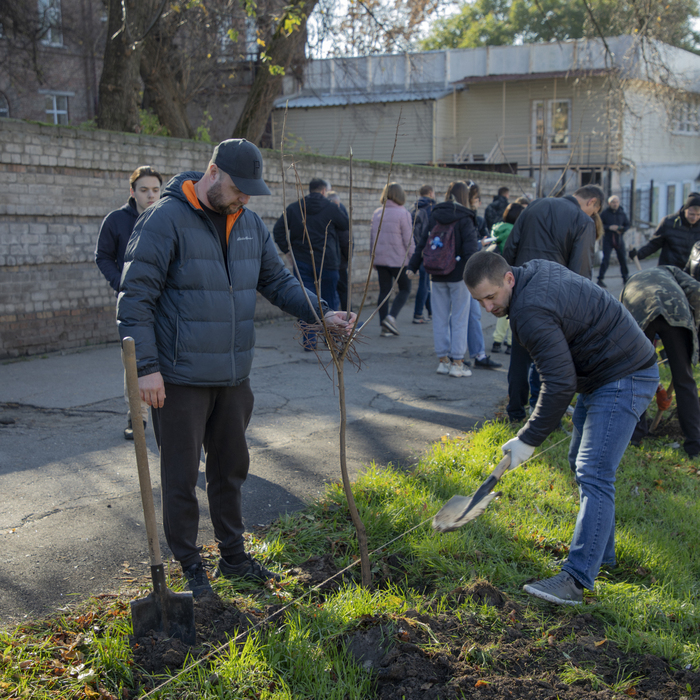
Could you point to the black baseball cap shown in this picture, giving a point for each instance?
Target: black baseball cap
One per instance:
(242, 162)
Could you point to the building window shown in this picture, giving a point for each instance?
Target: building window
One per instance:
(686, 192)
(251, 39)
(670, 199)
(50, 18)
(4, 106)
(57, 108)
(551, 120)
(685, 119)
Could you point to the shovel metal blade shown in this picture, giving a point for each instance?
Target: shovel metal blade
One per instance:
(168, 614)
(460, 510)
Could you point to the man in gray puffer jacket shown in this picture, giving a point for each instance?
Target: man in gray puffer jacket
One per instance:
(192, 268)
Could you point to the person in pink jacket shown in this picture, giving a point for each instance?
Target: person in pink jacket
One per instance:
(394, 246)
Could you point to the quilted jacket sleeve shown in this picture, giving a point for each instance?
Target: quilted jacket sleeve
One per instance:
(277, 284)
(541, 333)
(149, 254)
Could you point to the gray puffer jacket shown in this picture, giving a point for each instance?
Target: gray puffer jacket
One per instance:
(190, 315)
(578, 336)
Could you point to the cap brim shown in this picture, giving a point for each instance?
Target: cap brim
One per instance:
(251, 187)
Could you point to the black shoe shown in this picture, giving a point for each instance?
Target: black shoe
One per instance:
(486, 363)
(197, 579)
(602, 284)
(507, 349)
(250, 569)
(129, 430)
(496, 347)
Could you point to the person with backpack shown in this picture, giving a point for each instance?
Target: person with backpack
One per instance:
(475, 335)
(420, 215)
(444, 251)
(391, 241)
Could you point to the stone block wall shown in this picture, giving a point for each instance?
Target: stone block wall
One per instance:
(58, 183)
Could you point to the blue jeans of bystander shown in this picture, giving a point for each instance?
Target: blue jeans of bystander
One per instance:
(475, 336)
(604, 421)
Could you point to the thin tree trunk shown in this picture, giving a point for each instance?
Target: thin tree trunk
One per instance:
(347, 486)
(283, 50)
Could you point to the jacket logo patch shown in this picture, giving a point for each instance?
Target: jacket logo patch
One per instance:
(244, 238)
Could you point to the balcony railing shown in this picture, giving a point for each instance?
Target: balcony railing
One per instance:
(584, 150)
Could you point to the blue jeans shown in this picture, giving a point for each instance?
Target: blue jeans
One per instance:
(475, 336)
(450, 319)
(423, 293)
(603, 425)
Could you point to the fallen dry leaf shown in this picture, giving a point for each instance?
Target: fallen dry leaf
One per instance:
(601, 642)
(480, 684)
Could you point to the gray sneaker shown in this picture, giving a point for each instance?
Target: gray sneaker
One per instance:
(560, 589)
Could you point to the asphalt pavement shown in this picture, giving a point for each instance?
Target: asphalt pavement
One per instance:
(71, 521)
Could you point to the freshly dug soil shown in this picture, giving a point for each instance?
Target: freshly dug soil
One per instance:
(426, 657)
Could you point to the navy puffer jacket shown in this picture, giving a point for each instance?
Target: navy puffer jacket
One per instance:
(190, 315)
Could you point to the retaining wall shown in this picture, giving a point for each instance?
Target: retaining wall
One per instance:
(58, 183)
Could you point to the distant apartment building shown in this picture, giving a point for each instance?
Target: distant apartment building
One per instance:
(565, 114)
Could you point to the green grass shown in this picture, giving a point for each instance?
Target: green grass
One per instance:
(649, 602)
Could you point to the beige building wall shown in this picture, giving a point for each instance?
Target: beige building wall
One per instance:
(369, 129)
(648, 130)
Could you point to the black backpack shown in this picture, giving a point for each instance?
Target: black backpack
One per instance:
(439, 256)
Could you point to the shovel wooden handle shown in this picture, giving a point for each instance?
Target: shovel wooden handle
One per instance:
(149, 511)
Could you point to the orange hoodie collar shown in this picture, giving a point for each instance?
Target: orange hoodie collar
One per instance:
(189, 192)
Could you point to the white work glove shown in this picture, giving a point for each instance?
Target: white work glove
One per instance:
(519, 452)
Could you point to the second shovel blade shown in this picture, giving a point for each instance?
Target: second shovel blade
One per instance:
(460, 510)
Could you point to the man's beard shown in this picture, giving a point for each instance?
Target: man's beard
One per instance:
(216, 201)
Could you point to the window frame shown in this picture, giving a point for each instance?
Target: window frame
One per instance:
(548, 117)
(55, 112)
(51, 18)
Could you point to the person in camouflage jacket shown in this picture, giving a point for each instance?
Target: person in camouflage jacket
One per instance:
(666, 302)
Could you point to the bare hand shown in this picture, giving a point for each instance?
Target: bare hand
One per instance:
(614, 227)
(342, 319)
(410, 274)
(152, 389)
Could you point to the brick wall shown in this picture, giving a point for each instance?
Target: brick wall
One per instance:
(57, 184)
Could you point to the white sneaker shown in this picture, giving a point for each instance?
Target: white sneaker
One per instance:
(459, 370)
(389, 323)
(444, 366)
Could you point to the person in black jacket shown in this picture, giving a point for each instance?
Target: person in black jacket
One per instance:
(144, 190)
(556, 229)
(450, 298)
(323, 221)
(420, 215)
(494, 211)
(675, 235)
(615, 223)
(582, 340)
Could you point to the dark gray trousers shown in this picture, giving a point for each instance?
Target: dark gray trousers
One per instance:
(215, 418)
